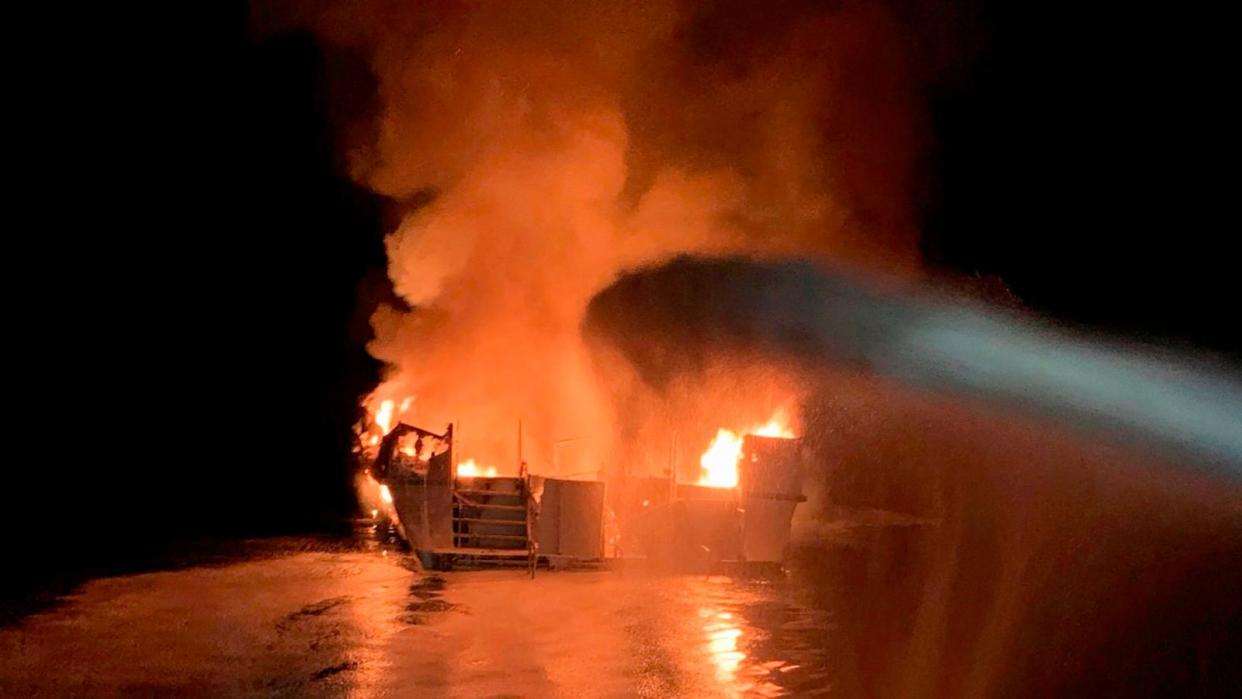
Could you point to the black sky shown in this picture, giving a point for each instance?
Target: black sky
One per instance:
(1087, 161)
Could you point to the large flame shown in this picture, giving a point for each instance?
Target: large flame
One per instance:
(719, 462)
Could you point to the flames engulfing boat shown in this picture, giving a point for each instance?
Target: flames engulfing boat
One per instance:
(452, 520)
(700, 525)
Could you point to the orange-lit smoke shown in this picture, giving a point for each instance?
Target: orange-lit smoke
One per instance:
(541, 147)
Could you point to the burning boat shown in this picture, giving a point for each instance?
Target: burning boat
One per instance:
(453, 515)
(738, 514)
(457, 515)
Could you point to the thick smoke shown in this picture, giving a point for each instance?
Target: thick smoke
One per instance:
(553, 144)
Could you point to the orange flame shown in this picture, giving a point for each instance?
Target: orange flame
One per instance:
(469, 469)
(383, 416)
(778, 426)
(719, 462)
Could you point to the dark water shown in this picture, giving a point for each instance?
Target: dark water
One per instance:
(873, 604)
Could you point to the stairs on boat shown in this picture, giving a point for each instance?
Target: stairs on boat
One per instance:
(490, 522)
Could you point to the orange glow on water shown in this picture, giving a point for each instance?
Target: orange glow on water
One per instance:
(723, 635)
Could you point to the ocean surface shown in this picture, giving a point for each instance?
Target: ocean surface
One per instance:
(871, 605)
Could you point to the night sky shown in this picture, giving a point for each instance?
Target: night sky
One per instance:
(230, 265)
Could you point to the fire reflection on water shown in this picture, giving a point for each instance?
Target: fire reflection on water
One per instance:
(722, 644)
(748, 633)
(343, 619)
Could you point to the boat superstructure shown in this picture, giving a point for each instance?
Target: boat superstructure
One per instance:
(455, 519)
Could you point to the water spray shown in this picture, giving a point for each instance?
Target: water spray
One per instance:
(1189, 410)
